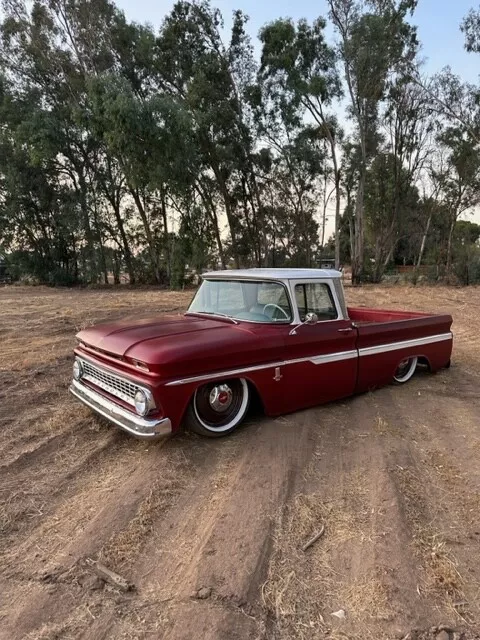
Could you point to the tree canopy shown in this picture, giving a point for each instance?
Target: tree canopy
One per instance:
(150, 154)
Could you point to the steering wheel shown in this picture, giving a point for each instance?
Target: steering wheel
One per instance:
(275, 306)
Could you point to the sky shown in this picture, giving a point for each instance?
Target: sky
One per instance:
(438, 26)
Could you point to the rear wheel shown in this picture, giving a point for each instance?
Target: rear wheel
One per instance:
(405, 370)
(217, 408)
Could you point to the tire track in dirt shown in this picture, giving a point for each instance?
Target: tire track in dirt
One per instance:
(218, 537)
(60, 466)
(443, 496)
(76, 528)
(140, 483)
(364, 562)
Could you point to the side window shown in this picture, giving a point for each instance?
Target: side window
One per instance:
(315, 297)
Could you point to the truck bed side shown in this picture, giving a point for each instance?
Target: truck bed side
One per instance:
(385, 338)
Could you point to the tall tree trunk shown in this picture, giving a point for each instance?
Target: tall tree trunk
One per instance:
(337, 220)
(98, 235)
(212, 213)
(228, 212)
(357, 258)
(388, 257)
(324, 212)
(336, 174)
(115, 267)
(258, 213)
(148, 233)
(231, 224)
(449, 244)
(166, 234)
(423, 243)
(89, 236)
(127, 254)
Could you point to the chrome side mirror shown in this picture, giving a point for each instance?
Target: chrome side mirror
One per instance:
(310, 318)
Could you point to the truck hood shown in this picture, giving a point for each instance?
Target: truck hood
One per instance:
(186, 345)
(121, 338)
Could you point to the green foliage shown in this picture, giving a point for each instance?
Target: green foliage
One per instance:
(150, 155)
(471, 28)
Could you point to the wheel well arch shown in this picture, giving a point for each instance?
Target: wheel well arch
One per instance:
(423, 360)
(256, 399)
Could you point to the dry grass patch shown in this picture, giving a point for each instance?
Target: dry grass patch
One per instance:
(304, 588)
(70, 628)
(367, 598)
(381, 426)
(124, 546)
(443, 580)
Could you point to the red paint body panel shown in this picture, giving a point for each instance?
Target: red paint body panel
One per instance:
(307, 384)
(380, 327)
(317, 364)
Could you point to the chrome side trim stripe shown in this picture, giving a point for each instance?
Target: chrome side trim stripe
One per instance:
(333, 357)
(223, 374)
(320, 359)
(404, 344)
(323, 359)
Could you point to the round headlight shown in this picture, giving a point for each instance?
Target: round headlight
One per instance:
(77, 369)
(141, 402)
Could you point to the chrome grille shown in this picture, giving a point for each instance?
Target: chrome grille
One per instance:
(119, 387)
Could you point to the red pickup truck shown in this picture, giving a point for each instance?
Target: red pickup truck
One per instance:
(285, 335)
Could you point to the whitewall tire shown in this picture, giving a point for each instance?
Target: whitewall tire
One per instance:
(405, 370)
(218, 407)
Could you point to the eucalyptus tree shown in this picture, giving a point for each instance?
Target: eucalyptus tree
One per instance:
(471, 28)
(211, 78)
(459, 179)
(375, 43)
(53, 48)
(407, 126)
(299, 68)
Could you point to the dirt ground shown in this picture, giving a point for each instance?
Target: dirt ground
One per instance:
(210, 533)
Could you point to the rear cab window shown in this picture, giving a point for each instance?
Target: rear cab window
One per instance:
(315, 297)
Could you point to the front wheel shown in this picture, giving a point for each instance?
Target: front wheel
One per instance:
(405, 370)
(217, 408)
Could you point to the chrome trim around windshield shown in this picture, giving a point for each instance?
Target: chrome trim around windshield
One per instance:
(211, 314)
(293, 308)
(134, 424)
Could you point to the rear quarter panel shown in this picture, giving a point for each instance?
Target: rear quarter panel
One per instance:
(385, 330)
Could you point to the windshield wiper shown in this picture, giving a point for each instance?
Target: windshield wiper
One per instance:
(215, 313)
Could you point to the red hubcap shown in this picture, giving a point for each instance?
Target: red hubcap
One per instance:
(223, 397)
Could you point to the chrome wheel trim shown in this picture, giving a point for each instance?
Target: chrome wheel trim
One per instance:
(221, 397)
(405, 370)
(239, 414)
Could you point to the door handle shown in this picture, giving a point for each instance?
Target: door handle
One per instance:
(346, 330)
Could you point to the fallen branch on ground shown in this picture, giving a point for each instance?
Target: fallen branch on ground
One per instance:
(316, 537)
(110, 576)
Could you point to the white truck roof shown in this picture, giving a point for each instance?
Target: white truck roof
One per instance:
(272, 274)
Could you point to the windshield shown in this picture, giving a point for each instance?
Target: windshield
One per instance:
(247, 300)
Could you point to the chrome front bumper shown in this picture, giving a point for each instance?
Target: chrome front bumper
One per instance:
(135, 425)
